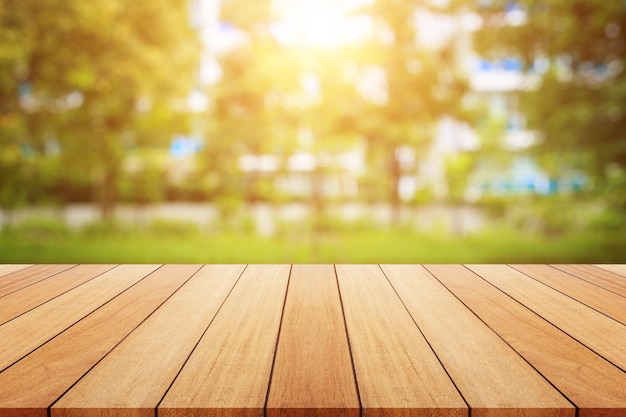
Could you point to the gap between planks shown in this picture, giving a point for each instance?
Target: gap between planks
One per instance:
(354, 298)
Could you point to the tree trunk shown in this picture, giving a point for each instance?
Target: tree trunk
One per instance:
(394, 182)
(317, 212)
(108, 195)
(8, 217)
(250, 187)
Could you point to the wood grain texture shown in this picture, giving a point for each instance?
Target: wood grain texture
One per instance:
(397, 372)
(313, 373)
(609, 280)
(228, 372)
(116, 342)
(489, 374)
(20, 301)
(141, 368)
(594, 296)
(600, 333)
(27, 332)
(616, 269)
(8, 268)
(27, 276)
(594, 385)
(31, 385)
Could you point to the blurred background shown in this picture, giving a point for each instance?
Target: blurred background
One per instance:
(312, 131)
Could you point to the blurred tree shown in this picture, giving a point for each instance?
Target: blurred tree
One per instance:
(328, 116)
(247, 115)
(458, 169)
(418, 85)
(576, 52)
(387, 89)
(94, 78)
(13, 192)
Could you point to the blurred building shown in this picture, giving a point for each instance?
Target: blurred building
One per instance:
(495, 86)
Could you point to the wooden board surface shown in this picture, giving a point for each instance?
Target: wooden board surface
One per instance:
(228, 372)
(27, 332)
(587, 380)
(28, 276)
(594, 296)
(493, 379)
(312, 340)
(142, 367)
(8, 268)
(20, 301)
(34, 383)
(598, 332)
(606, 279)
(313, 373)
(616, 269)
(397, 372)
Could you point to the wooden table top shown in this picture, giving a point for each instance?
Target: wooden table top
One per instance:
(313, 340)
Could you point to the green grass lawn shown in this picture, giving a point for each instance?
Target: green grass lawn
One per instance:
(391, 246)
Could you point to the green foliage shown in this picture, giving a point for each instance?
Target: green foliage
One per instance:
(87, 87)
(423, 195)
(609, 221)
(423, 85)
(105, 228)
(458, 169)
(37, 228)
(494, 246)
(13, 175)
(579, 102)
(173, 228)
(615, 191)
(93, 77)
(143, 186)
(271, 95)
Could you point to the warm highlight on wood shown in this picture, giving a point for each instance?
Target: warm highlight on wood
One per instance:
(594, 296)
(20, 301)
(23, 277)
(589, 381)
(313, 374)
(143, 365)
(312, 340)
(37, 381)
(595, 330)
(27, 332)
(613, 281)
(486, 371)
(397, 372)
(616, 269)
(228, 372)
(8, 268)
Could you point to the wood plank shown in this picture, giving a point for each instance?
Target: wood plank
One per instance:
(138, 372)
(493, 378)
(606, 279)
(20, 301)
(594, 385)
(31, 385)
(616, 269)
(397, 372)
(228, 372)
(313, 373)
(27, 276)
(600, 333)
(598, 298)
(9, 268)
(22, 335)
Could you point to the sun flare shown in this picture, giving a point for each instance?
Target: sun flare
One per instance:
(318, 23)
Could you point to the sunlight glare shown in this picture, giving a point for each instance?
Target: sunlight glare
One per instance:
(320, 23)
